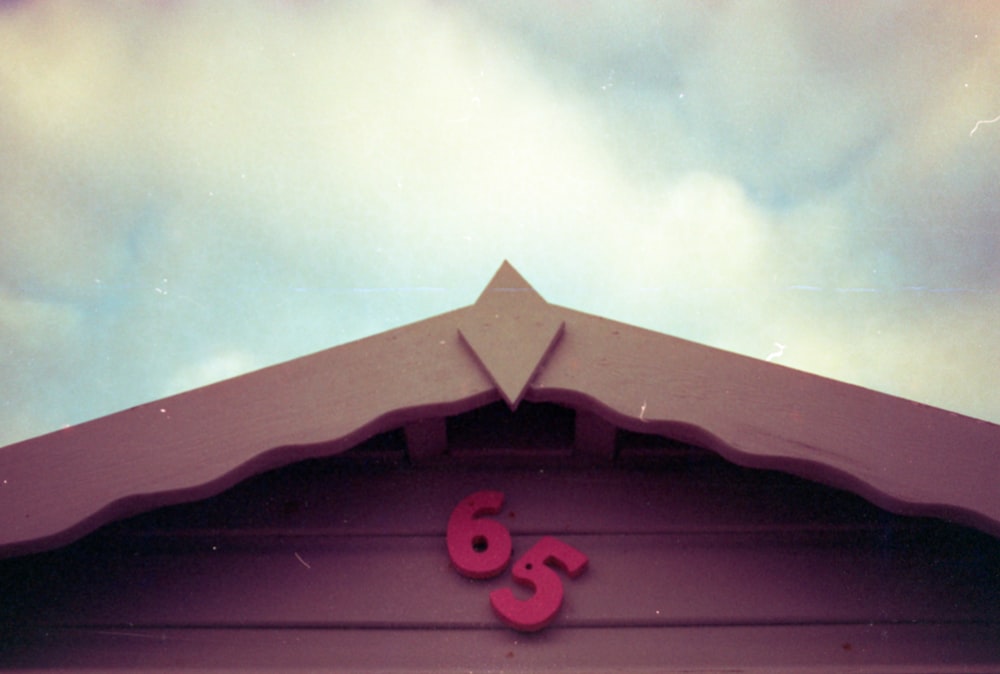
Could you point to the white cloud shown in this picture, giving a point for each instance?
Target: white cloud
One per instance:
(190, 191)
(215, 368)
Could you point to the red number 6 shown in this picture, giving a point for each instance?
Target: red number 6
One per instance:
(478, 548)
(533, 570)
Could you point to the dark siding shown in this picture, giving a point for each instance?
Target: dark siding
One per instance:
(341, 563)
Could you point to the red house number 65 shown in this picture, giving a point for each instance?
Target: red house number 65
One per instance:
(481, 548)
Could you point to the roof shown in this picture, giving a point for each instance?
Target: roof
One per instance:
(513, 345)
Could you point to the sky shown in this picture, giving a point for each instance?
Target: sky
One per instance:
(193, 190)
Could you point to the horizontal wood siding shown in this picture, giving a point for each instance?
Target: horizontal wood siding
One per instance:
(913, 649)
(341, 563)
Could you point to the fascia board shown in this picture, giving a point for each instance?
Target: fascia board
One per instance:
(57, 487)
(905, 456)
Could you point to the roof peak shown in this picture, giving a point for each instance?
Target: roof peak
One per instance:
(507, 280)
(510, 330)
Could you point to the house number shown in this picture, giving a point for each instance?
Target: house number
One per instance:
(481, 548)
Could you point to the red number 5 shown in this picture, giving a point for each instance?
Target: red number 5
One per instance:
(533, 570)
(479, 548)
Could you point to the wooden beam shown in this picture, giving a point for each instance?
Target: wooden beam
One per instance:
(426, 439)
(594, 437)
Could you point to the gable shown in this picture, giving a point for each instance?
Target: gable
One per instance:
(513, 346)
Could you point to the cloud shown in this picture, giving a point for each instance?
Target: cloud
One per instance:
(189, 191)
(216, 368)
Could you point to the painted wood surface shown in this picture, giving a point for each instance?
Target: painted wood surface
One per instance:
(907, 457)
(342, 564)
(884, 649)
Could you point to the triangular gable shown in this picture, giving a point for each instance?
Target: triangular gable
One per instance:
(511, 345)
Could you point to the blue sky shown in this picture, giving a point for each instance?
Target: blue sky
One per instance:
(189, 191)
